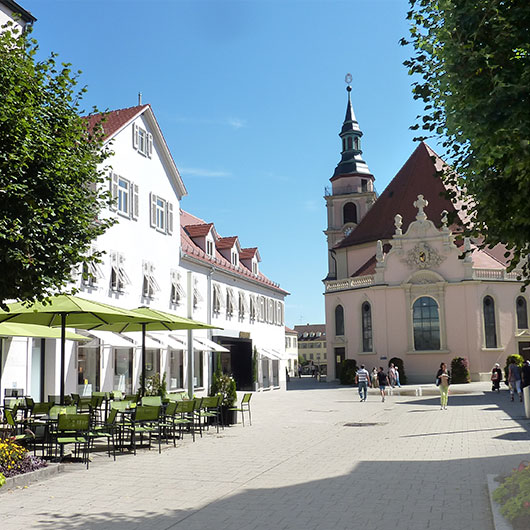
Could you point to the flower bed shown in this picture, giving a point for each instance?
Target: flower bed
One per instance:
(513, 495)
(15, 459)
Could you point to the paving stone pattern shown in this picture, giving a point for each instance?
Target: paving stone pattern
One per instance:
(299, 467)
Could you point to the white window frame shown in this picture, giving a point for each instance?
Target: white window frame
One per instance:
(253, 311)
(177, 293)
(230, 302)
(235, 260)
(243, 305)
(197, 296)
(118, 277)
(128, 208)
(209, 248)
(150, 286)
(161, 214)
(91, 273)
(142, 141)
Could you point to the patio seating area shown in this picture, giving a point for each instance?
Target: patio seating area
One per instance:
(109, 422)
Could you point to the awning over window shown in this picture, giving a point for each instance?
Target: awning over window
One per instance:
(110, 339)
(270, 354)
(150, 343)
(208, 345)
(169, 341)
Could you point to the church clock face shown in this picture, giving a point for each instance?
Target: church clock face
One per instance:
(347, 230)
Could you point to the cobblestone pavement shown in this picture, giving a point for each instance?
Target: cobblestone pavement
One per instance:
(315, 457)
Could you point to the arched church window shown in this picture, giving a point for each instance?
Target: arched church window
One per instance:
(349, 142)
(357, 144)
(349, 213)
(490, 331)
(367, 326)
(522, 313)
(426, 324)
(339, 320)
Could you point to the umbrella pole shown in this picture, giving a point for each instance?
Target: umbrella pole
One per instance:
(142, 388)
(63, 347)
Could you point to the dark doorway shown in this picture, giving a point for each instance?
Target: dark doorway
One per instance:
(524, 350)
(340, 355)
(237, 362)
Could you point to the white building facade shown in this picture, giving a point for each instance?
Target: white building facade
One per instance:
(146, 263)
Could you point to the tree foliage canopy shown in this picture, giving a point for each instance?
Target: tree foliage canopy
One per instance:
(474, 60)
(50, 173)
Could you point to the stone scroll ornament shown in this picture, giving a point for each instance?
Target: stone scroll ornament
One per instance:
(423, 256)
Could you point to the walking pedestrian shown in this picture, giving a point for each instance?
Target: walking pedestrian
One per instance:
(382, 379)
(525, 374)
(392, 375)
(514, 380)
(443, 378)
(397, 376)
(374, 377)
(362, 378)
(496, 378)
(300, 371)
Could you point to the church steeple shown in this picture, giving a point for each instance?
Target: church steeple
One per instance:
(350, 134)
(352, 186)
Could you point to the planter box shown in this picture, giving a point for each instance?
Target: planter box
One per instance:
(229, 417)
(499, 521)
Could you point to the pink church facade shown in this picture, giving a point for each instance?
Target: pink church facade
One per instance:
(401, 285)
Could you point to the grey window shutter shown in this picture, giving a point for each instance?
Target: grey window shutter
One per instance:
(135, 135)
(152, 201)
(149, 145)
(113, 189)
(135, 206)
(169, 223)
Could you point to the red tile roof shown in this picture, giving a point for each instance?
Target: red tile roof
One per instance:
(189, 247)
(417, 176)
(114, 120)
(248, 253)
(199, 230)
(226, 242)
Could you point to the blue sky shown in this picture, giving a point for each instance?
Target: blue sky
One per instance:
(250, 96)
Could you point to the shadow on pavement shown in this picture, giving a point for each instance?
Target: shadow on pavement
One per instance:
(376, 495)
(488, 401)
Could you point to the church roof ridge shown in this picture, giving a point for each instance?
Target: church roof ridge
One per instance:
(417, 175)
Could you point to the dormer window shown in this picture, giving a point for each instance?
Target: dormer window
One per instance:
(209, 248)
(235, 259)
(254, 267)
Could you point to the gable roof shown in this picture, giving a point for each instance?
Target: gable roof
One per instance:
(249, 253)
(115, 121)
(19, 10)
(198, 230)
(226, 242)
(417, 176)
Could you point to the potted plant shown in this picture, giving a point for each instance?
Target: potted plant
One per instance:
(225, 385)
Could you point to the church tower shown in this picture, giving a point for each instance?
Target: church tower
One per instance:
(352, 185)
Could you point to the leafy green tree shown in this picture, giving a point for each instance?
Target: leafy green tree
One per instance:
(474, 60)
(50, 173)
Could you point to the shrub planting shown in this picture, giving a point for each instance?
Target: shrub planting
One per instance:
(348, 369)
(514, 496)
(460, 370)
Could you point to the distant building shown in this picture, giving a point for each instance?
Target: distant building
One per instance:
(291, 351)
(399, 283)
(11, 11)
(312, 345)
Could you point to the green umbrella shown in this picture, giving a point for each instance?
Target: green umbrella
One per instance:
(154, 320)
(10, 329)
(67, 310)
